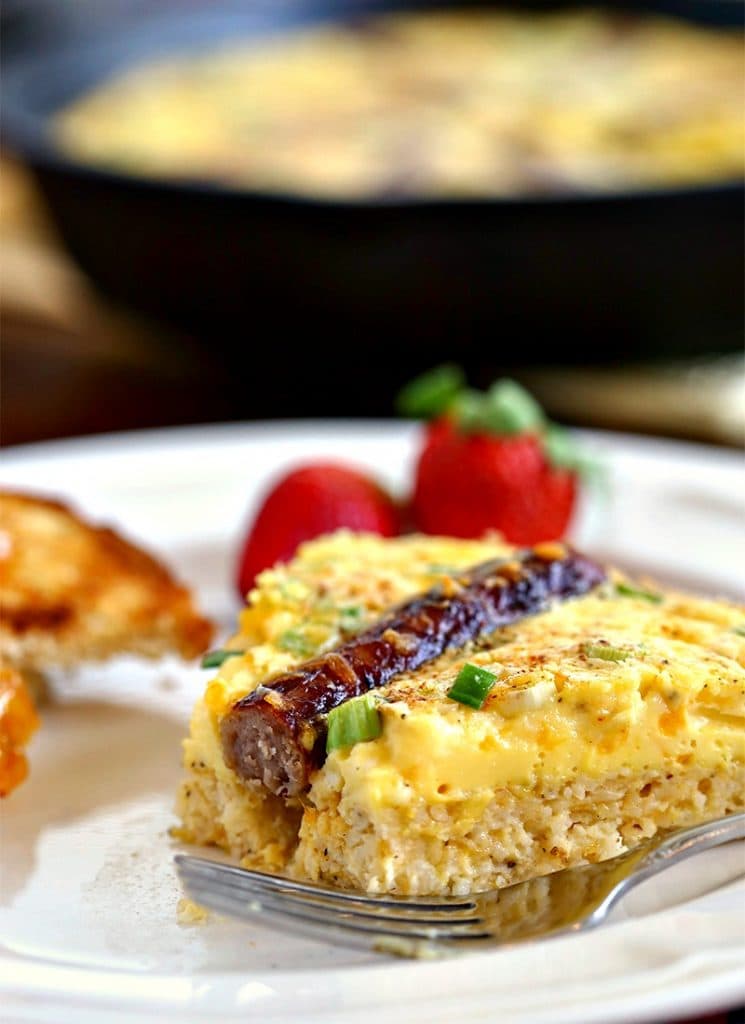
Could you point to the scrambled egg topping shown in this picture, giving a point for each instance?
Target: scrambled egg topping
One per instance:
(559, 709)
(333, 588)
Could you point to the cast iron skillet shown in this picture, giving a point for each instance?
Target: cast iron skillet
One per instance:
(298, 284)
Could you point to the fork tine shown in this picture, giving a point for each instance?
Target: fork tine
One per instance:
(217, 894)
(359, 908)
(448, 906)
(575, 899)
(244, 889)
(345, 934)
(319, 910)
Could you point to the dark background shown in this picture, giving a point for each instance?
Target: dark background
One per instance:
(205, 304)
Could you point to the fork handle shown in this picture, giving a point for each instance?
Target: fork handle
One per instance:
(665, 851)
(694, 840)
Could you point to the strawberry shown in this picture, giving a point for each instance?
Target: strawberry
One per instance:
(467, 484)
(491, 462)
(314, 499)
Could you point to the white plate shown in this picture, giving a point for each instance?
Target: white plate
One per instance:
(88, 898)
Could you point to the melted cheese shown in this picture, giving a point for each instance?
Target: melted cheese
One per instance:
(671, 700)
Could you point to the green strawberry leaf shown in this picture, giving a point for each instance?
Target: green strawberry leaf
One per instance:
(505, 410)
(510, 409)
(563, 452)
(432, 393)
(468, 411)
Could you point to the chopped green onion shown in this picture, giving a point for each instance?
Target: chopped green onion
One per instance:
(294, 590)
(605, 652)
(440, 569)
(432, 393)
(355, 721)
(294, 642)
(213, 659)
(350, 618)
(627, 590)
(472, 685)
(740, 630)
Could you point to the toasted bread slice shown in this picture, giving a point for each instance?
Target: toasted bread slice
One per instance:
(71, 592)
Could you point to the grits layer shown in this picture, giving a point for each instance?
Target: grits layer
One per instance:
(572, 758)
(492, 840)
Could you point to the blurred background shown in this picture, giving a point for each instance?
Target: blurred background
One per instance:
(222, 210)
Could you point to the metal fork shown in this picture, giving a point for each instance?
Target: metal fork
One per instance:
(573, 900)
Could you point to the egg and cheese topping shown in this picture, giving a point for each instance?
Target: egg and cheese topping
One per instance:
(559, 709)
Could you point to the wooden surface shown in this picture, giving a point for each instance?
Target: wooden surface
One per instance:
(71, 364)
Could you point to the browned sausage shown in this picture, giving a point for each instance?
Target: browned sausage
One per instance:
(277, 733)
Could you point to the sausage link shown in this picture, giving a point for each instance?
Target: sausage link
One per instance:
(277, 733)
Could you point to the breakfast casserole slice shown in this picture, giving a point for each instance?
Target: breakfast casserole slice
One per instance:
(431, 716)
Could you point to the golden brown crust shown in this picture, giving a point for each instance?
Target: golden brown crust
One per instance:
(71, 591)
(18, 720)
